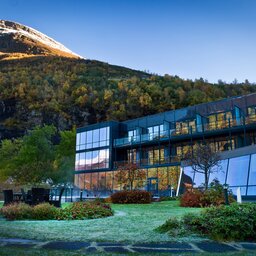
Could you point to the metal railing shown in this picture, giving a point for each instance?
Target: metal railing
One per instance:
(166, 134)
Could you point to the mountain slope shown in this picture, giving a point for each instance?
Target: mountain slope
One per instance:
(19, 41)
(54, 86)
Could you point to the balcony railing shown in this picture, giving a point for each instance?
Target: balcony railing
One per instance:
(149, 161)
(164, 135)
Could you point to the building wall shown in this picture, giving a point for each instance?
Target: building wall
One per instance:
(158, 142)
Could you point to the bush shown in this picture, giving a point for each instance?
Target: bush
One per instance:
(214, 196)
(234, 222)
(44, 211)
(191, 198)
(17, 211)
(85, 210)
(131, 197)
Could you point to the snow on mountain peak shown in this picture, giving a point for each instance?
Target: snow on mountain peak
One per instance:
(9, 27)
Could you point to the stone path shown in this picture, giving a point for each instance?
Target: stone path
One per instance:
(172, 247)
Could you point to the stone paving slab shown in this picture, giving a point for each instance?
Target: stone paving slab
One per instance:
(123, 248)
(165, 245)
(215, 247)
(66, 245)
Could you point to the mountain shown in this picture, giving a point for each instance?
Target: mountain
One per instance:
(19, 41)
(42, 82)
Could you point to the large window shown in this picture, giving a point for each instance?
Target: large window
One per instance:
(92, 139)
(252, 176)
(238, 171)
(97, 159)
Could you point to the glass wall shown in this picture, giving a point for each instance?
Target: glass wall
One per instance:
(90, 160)
(237, 172)
(92, 139)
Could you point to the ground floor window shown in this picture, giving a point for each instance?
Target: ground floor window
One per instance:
(160, 181)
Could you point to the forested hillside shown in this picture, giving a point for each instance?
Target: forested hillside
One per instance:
(67, 92)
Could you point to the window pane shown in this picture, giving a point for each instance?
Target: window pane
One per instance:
(238, 171)
(251, 191)
(96, 137)
(82, 161)
(219, 174)
(199, 180)
(77, 141)
(82, 140)
(77, 162)
(187, 178)
(252, 177)
(109, 181)
(88, 160)
(89, 139)
(95, 159)
(102, 181)
(94, 182)
(234, 190)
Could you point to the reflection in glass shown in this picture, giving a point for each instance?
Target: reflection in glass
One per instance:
(251, 191)
(162, 178)
(94, 181)
(238, 171)
(234, 190)
(109, 181)
(102, 181)
(97, 159)
(219, 173)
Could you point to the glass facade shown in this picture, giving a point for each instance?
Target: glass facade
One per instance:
(90, 160)
(236, 172)
(160, 181)
(92, 139)
(158, 143)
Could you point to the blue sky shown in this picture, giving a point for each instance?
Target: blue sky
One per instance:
(213, 39)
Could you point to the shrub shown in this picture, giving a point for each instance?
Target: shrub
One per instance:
(191, 198)
(44, 211)
(234, 222)
(17, 211)
(214, 196)
(85, 210)
(131, 197)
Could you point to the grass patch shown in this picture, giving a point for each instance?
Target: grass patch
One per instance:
(131, 223)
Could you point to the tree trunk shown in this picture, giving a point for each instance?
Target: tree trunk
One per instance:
(206, 179)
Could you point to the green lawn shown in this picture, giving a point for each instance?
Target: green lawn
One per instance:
(131, 223)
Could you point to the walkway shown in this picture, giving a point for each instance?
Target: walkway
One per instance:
(85, 247)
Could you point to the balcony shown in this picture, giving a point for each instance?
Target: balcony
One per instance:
(188, 130)
(146, 162)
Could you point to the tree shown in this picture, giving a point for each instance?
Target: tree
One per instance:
(127, 174)
(203, 159)
(8, 152)
(34, 161)
(65, 157)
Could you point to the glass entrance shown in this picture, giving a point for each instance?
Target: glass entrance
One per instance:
(153, 185)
